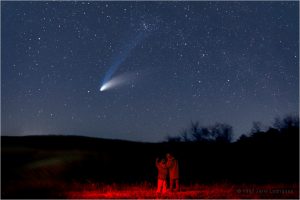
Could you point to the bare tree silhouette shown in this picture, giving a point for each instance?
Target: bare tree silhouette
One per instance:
(222, 132)
(289, 125)
(219, 132)
(256, 127)
(185, 136)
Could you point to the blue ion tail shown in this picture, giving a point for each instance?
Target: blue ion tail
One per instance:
(121, 58)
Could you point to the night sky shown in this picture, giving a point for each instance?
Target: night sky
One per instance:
(160, 65)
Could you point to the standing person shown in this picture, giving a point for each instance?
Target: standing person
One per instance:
(162, 175)
(173, 168)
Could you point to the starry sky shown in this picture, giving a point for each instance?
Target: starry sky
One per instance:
(176, 62)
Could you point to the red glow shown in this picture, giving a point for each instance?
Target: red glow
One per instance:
(216, 191)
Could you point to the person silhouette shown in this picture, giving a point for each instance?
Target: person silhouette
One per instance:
(173, 169)
(162, 176)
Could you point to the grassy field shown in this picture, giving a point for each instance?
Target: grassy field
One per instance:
(83, 168)
(41, 189)
(215, 191)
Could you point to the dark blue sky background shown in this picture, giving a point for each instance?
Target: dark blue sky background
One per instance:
(231, 62)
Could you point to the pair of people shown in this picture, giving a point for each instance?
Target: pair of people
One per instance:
(167, 167)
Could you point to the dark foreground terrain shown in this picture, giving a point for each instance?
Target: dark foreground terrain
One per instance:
(266, 166)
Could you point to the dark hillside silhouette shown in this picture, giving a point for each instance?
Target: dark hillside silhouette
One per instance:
(205, 155)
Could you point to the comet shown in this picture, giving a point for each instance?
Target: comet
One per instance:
(108, 82)
(118, 81)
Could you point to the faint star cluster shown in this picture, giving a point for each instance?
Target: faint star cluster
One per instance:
(232, 62)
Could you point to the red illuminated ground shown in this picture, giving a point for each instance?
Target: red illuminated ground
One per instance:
(216, 191)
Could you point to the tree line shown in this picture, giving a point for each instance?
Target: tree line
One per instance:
(223, 133)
